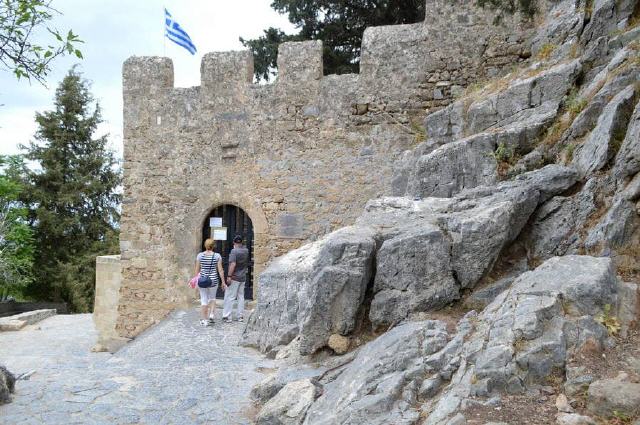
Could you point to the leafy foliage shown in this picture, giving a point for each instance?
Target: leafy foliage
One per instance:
(72, 198)
(608, 320)
(16, 237)
(20, 20)
(338, 23)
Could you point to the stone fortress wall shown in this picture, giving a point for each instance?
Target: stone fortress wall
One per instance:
(301, 156)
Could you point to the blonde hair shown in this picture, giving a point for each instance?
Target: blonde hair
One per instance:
(208, 244)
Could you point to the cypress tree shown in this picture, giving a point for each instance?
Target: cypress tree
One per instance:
(72, 196)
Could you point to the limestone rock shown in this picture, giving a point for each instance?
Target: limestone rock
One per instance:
(463, 235)
(526, 104)
(574, 419)
(562, 404)
(449, 169)
(598, 149)
(628, 158)
(266, 389)
(616, 227)
(313, 292)
(554, 226)
(471, 162)
(606, 16)
(609, 395)
(628, 311)
(339, 343)
(404, 166)
(507, 106)
(562, 25)
(413, 274)
(458, 419)
(290, 404)
(577, 380)
(484, 220)
(609, 82)
(7, 385)
(527, 332)
(373, 389)
(480, 298)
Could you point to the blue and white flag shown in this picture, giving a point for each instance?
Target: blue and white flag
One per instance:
(175, 33)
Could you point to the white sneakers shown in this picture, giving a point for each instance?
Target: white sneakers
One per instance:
(204, 322)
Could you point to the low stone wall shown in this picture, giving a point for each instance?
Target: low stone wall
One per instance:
(9, 308)
(105, 309)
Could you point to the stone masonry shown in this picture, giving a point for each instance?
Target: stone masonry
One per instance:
(301, 156)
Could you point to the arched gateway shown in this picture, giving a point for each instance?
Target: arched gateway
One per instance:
(222, 224)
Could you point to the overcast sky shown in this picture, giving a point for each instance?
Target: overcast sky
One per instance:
(112, 31)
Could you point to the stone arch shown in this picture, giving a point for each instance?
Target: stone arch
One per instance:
(260, 227)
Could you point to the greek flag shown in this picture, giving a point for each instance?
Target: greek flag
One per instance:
(175, 33)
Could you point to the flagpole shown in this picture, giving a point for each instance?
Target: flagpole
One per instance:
(164, 38)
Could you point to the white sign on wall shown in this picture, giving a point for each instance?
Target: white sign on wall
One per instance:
(219, 233)
(215, 221)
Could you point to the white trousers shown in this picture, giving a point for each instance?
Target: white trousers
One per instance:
(233, 292)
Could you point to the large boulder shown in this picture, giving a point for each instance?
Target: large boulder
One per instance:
(413, 273)
(290, 404)
(314, 292)
(449, 245)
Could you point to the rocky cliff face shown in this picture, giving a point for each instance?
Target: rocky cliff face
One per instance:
(523, 203)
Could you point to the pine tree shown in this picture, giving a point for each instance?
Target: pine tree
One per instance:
(338, 23)
(16, 236)
(72, 197)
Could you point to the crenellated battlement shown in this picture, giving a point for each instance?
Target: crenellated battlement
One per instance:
(415, 66)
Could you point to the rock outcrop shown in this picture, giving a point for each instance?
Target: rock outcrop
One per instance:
(523, 202)
(428, 252)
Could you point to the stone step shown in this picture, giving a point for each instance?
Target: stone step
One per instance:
(18, 321)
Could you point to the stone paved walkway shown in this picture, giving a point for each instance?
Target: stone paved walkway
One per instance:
(176, 373)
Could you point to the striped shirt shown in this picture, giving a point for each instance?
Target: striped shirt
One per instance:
(208, 265)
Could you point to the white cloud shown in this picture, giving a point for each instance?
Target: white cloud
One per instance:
(116, 29)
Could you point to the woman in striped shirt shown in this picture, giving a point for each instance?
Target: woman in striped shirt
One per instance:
(206, 264)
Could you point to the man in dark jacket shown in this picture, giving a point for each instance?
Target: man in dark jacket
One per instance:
(238, 264)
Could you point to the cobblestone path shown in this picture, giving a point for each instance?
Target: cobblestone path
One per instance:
(178, 372)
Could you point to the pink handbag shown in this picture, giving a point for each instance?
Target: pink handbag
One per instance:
(193, 282)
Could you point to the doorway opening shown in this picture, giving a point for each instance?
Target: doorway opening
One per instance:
(236, 222)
